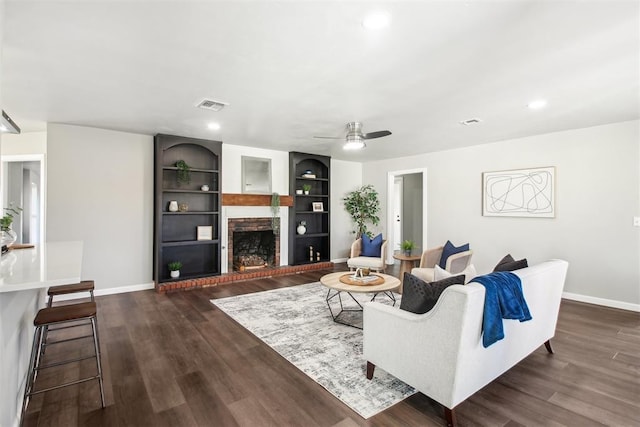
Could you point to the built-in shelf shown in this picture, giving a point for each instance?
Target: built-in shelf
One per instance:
(175, 233)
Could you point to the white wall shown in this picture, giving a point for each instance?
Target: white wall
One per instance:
(232, 167)
(24, 143)
(100, 191)
(345, 177)
(597, 194)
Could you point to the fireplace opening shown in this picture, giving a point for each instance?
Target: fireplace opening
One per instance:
(253, 249)
(252, 244)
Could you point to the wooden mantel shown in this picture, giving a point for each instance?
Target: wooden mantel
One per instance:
(232, 199)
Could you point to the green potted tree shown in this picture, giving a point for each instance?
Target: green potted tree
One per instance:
(363, 207)
(174, 268)
(407, 246)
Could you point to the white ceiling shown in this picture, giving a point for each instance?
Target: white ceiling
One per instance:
(291, 70)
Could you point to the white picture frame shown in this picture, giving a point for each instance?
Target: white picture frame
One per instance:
(317, 206)
(528, 193)
(204, 232)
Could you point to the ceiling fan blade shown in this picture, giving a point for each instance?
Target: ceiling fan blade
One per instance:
(329, 137)
(378, 134)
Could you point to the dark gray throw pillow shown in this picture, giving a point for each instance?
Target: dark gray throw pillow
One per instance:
(419, 296)
(509, 264)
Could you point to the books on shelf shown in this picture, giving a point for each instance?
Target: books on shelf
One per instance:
(308, 175)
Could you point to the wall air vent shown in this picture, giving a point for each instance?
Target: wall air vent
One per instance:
(470, 122)
(210, 104)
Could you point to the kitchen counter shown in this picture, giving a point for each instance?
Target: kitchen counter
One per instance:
(48, 264)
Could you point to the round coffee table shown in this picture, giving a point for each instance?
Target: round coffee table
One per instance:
(336, 288)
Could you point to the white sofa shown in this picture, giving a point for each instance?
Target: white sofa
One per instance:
(440, 353)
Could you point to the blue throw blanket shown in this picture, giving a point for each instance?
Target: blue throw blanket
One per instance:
(503, 299)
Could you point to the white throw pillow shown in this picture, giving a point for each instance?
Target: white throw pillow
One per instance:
(469, 273)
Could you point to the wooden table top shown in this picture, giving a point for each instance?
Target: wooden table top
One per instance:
(403, 257)
(332, 281)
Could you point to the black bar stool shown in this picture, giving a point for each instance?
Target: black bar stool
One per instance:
(61, 315)
(84, 286)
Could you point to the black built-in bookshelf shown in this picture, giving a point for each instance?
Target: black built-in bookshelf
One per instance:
(175, 233)
(317, 222)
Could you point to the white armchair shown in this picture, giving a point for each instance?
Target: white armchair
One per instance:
(456, 263)
(374, 263)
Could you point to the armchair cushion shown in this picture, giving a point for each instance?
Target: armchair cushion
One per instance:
(469, 273)
(371, 247)
(448, 250)
(419, 296)
(509, 264)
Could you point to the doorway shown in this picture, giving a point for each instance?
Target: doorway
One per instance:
(23, 187)
(406, 214)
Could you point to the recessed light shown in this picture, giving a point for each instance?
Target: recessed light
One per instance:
(537, 104)
(376, 21)
(214, 126)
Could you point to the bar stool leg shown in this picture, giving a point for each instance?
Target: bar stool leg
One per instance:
(94, 328)
(34, 361)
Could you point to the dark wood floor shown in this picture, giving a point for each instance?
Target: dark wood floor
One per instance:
(176, 360)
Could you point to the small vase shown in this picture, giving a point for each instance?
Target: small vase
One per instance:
(301, 229)
(306, 193)
(173, 206)
(175, 274)
(407, 252)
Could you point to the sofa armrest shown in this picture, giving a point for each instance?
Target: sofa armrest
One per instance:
(414, 347)
(431, 257)
(356, 248)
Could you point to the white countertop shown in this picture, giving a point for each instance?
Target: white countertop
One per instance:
(48, 264)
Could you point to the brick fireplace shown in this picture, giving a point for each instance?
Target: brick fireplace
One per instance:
(252, 237)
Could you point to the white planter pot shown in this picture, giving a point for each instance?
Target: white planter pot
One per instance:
(175, 274)
(306, 192)
(298, 191)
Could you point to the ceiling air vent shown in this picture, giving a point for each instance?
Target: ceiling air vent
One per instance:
(210, 104)
(470, 122)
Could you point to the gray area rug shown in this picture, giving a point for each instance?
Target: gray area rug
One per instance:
(296, 323)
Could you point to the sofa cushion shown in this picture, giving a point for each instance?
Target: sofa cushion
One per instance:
(509, 264)
(366, 262)
(371, 247)
(469, 273)
(449, 250)
(419, 296)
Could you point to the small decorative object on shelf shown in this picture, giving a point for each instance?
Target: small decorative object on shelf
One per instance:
(183, 207)
(299, 192)
(317, 256)
(311, 253)
(308, 174)
(317, 206)
(173, 206)
(174, 268)
(204, 232)
(184, 172)
(302, 228)
(204, 187)
(306, 188)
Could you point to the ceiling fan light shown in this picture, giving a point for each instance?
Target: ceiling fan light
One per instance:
(354, 145)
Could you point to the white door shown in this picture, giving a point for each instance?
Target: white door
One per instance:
(397, 213)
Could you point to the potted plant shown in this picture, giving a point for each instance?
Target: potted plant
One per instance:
(174, 268)
(306, 188)
(8, 235)
(363, 207)
(407, 246)
(184, 172)
(275, 211)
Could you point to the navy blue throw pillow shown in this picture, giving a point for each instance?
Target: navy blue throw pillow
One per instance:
(371, 247)
(419, 296)
(449, 250)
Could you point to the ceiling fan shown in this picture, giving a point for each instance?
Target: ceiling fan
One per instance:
(355, 138)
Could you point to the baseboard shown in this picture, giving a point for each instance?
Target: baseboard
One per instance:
(108, 291)
(601, 301)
